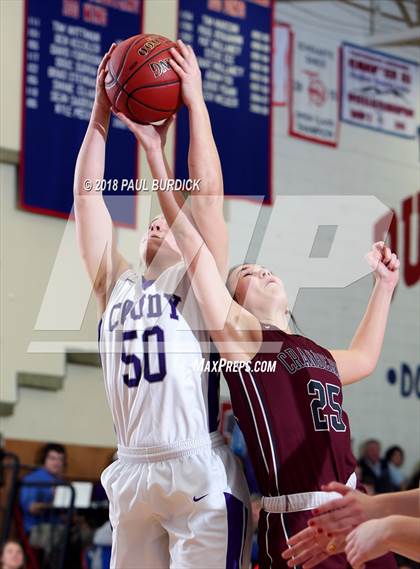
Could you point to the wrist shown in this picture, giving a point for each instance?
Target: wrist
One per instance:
(198, 104)
(385, 286)
(389, 524)
(100, 118)
(101, 111)
(376, 509)
(154, 151)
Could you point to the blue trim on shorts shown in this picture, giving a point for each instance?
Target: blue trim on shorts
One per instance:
(213, 393)
(235, 519)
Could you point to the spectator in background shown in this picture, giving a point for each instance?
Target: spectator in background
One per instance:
(12, 556)
(394, 458)
(36, 501)
(372, 469)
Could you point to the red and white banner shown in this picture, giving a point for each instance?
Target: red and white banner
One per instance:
(281, 63)
(314, 99)
(379, 91)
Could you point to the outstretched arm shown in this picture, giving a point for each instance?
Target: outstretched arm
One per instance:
(203, 158)
(340, 515)
(334, 522)
(374, 538)
(234, 330)
(95, 232)
(153, 139)
(361, 358)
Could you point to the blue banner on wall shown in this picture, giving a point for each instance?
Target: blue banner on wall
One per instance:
(64, 43)
(232, 41)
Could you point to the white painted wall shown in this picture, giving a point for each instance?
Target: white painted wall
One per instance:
(77, 414)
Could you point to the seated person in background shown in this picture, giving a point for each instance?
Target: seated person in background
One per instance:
(372, 470)
(12, 556)
(393, 461)
(36, 501)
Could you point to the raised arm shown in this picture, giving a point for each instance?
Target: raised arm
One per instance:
(363, 354)
(372, 539)
(233, 329)
(95, 232)
(153, 139)
(203, 159)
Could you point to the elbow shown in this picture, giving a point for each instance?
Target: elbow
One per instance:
(366, 365)
(79, 184)
(183, 229)
(370, 369)
(210, 189)
(205, 203)
(81, 202)
(369, 364)
(77, 187)
(186, 236)
(100, 284)
(208, 181)
(357, 368)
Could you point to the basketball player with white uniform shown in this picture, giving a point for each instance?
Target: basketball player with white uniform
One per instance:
(178, 496)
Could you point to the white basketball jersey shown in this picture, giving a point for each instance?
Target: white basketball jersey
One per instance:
(152, 339)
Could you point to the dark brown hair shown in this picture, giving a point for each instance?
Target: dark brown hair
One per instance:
(56, 447)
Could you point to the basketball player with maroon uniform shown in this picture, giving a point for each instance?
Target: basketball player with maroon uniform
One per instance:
(297, 435)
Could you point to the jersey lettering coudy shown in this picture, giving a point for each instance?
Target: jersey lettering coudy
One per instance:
(148, 306)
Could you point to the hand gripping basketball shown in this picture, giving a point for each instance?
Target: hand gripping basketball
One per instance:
(140, 82)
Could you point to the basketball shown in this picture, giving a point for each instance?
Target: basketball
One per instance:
(140, 82)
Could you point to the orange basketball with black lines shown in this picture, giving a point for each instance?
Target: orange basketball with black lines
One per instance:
(140, 82)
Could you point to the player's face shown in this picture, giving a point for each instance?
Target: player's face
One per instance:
(12, 557)
(54, 463)
(160, 238)
(253, 284)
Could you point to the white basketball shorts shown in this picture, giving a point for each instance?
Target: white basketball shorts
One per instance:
(179, 507)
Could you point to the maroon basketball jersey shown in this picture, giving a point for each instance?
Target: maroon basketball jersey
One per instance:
(297, 435)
